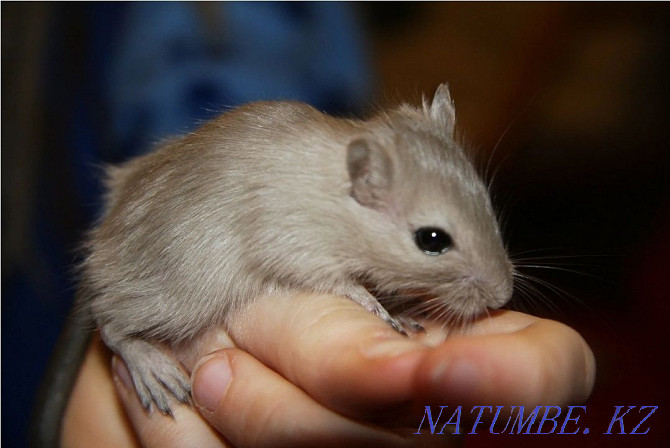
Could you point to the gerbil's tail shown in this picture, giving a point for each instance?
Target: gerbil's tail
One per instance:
(59, 378)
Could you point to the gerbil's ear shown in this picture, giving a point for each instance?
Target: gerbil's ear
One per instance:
(442, 108)
(371, 171)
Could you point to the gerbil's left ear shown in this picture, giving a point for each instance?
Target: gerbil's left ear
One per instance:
(371, 171)
(442, 108)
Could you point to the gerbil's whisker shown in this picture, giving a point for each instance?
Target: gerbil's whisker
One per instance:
(502, 137)
(559, 269)
(559, 292)
(514, 255)
(560, 257)
(529, 294)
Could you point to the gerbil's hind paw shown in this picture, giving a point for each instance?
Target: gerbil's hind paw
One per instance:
(156, 375)
(156, 378)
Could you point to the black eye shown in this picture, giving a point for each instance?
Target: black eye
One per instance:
(432, 240)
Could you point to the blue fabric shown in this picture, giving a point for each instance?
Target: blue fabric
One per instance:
(169, 70)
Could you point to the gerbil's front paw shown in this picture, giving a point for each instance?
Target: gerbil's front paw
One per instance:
(402, 324)
(409, 324)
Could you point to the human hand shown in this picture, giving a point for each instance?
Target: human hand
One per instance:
(344, 377)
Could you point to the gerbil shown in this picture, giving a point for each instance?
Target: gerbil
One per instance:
(278, 197)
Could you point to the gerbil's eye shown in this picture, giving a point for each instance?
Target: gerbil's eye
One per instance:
(433, 240)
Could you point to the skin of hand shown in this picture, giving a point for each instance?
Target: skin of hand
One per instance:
(306, 371)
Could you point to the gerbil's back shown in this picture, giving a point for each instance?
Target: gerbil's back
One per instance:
(171, 253)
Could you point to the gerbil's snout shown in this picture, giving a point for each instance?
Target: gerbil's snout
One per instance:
(481, 290)
(472, 293)
(485, 294)
(497, 285)
(501, 293)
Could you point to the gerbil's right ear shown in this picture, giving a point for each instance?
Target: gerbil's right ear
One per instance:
(442, 109)
(371, 171)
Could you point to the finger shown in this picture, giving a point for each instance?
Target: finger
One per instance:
(343, 356)
(154, 429)
(212, 340)
(256, 407)
(542, 361)
(94, 415)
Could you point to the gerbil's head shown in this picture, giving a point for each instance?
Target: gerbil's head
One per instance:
(429, 224)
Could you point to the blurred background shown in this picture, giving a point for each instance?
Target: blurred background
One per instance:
(567, 102)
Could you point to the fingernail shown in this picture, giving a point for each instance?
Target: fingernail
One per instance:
(210, 381)
(460, 376)
(388, 347)
(121, 373)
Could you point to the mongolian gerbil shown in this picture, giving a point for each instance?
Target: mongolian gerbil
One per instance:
(278, 197)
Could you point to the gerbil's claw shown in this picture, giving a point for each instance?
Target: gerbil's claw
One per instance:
(146, 403)
(410, 325)
(165, 409)
(405, 325)
(396, 325)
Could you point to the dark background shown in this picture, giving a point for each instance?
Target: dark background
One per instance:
(569, 101)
